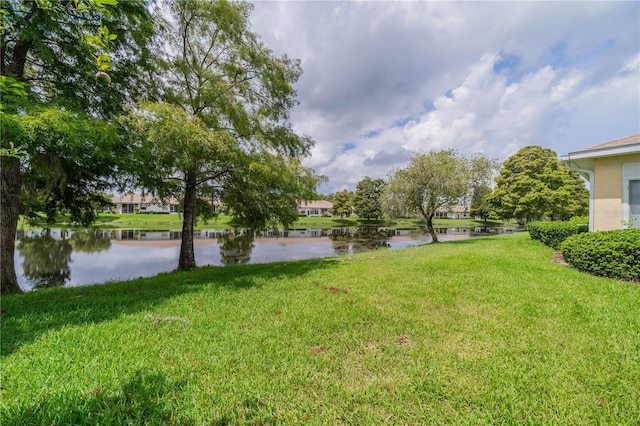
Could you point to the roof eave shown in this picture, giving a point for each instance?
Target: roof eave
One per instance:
(604, 152)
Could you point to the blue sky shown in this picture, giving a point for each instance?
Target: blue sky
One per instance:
(385, 79)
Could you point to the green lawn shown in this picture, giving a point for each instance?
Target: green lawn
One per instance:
(174, 221)
(480, 331)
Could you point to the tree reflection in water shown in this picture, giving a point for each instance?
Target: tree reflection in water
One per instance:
(93, 241)
(46, 259)
(235, 247)
(356, 240)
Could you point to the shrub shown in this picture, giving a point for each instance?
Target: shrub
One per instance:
(613, 254)
(553, 234)
(579, 219)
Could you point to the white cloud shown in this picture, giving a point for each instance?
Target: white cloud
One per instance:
(569, 79)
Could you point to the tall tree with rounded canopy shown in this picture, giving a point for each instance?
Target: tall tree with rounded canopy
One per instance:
(48, 68)
(479, 205)
(342, 204)
(533, 184)
(223, 126)
(432, 181)
(367, 201)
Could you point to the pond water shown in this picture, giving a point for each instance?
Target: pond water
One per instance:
(59, 257)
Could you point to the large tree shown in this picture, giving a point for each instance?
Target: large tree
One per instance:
(533, 184)
(432, 181)
(342, 204)
(222, 129)
(483, 170)
(49, 54)
(479, 204)
(367, 201)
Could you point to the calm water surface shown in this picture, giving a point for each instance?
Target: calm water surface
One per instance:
(59, 257)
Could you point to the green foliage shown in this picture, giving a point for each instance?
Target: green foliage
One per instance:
(48, 64)
(613, 254)
(482, 171)
(579, 219)
(205, 208)
(12, 19)
(222, 131)
(552, 234)
(12, 151)
(12, 93)
(326, 197)
(72, 157)
(479, 204)
(342, 205)
(628, 223)
(431, 181)
(266, 190)
(229, 79)
(166, 143)
(367, 201)
(12, 142)
(45, 46)
(533, 184)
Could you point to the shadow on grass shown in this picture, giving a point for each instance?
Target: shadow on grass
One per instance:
(148, 398)
(27, 316)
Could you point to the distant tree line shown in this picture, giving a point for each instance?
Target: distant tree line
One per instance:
(530, 185)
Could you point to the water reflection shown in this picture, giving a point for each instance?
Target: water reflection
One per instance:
(45, 260)
(354, 240)
(235, 247)
(46, 254)
(57, 257)
(92, 241)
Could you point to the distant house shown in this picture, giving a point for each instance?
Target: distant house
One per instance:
(453, 212)
(135, 203)
(316, 208)
(613, 171)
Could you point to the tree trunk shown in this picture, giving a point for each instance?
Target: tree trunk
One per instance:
(9, 214)
(19, 59)
(430, 228)
(10, 181)
(187, 255)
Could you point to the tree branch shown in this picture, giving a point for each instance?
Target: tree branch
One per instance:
(215, 175)
(208, 52)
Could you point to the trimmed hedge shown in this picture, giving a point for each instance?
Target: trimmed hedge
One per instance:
(613, 254)
(552, 234)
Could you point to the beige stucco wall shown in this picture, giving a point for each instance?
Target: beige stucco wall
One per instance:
(608, 213)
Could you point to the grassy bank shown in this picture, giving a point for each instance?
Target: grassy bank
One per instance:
(174, 221)
(480, 331)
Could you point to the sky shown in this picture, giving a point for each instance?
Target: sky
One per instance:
(382, 80)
